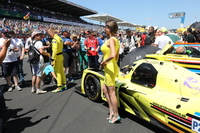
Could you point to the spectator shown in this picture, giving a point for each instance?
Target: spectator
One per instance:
(190, 37)
(162, 40)
(75, 49)
(129, 42)
(138, 39)
(92, 46)
(20, 56)
(121, 50)
(10, 63)
(37, 68)
(150, 38)
(101, 38)
(83, 53)
(143, 39)
(67, 53)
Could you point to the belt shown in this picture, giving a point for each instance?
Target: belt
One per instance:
(59, 53)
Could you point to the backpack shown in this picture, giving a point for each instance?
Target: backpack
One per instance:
(33, 54)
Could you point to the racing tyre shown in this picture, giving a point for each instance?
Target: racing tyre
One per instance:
(92, 88)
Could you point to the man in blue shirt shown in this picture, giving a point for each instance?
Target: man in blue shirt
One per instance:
(67, 52)
(83, 53)
(101, 39)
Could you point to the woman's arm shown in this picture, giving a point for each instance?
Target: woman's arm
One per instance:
(112, 51)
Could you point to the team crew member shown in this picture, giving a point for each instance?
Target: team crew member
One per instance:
(57, 60)
(110, 51)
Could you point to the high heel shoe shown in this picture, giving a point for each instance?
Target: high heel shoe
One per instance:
(118, 119)
(110, 116)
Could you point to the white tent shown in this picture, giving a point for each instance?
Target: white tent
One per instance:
(103, 18)
(127, 24)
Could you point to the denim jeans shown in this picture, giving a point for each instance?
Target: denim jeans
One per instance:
(20, 72)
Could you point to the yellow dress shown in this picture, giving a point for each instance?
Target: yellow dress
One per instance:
(111, 69)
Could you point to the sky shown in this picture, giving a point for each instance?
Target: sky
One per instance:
(146, 12)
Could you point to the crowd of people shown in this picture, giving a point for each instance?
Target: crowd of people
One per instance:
(38, 12)
(64, 54)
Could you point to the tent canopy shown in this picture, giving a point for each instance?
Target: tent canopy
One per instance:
(103, 18)
(127, 24)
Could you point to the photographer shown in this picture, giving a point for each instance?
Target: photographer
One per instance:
(10, 63)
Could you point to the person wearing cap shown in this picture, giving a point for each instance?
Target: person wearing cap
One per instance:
(162, 40)
(67, 52)
(10, 63)
(57, 60)
(83, 58)
(129, 42)
(37, 68)
(20, 55)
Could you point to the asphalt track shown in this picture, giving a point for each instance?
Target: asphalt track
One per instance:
(64, 112)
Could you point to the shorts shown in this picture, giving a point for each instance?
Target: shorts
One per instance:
(68, 59)
(37, 69)
(10, 68)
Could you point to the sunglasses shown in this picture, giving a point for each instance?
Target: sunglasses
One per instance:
(106, 26)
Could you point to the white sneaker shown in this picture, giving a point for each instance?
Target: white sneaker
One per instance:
(39, 91)
(33, 90)
(18, 88)
(10, 89)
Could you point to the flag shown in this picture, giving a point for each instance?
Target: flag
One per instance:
(3, 22)
(27, 16)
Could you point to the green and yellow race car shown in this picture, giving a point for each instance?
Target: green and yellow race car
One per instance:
(190, 62)
(160, 92)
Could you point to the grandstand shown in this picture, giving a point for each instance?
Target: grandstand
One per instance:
(54, 11)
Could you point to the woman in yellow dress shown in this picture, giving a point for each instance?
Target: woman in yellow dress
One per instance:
(110, 50)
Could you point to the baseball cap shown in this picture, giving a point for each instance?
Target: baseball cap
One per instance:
(5, 30)
(163, 29)
(65, 30)
(35, 33)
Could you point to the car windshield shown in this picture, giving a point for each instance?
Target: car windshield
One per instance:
(145, 74)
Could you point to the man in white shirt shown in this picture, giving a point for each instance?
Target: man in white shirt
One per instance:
(162, 40)
(20, 56)
(10, 63)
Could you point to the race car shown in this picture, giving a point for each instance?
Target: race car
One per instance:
(160, 92)
(190, 62)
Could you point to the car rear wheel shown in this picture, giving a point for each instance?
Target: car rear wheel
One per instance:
(92, 87)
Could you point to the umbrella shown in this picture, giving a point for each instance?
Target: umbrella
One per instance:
(195, 25)
(174, 37)
(137, 54)
(181, 30)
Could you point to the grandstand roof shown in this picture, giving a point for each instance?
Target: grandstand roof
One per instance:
(127, 24)
(62, 6)
(103, 18)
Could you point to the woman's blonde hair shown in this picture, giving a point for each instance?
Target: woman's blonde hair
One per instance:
(112, 25)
